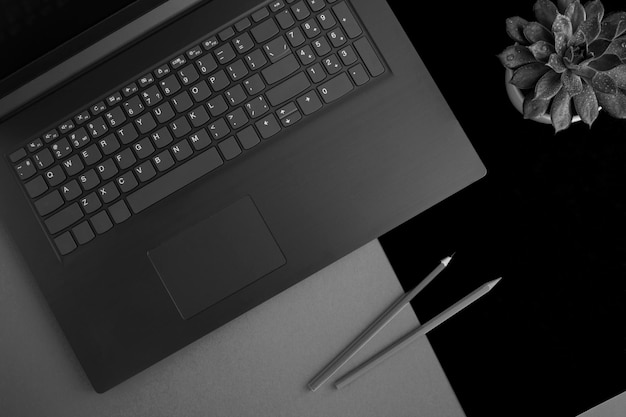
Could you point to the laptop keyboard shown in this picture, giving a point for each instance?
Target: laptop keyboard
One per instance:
(216, 100)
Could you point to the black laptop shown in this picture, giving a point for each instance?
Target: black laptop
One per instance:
(168, 166)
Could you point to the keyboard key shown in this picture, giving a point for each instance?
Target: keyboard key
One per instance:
(217, 106)
(48, 203)
(164, 112)
(281, 69)
(55, 176)
(91, 155)
(276, 49)
(73, 165)
(206, 64)
(182, 150)
(224, 53)
(254, 84)
(322, 47)
(119, 212)
(326, 19)
(162, 71)
(260, 14)
(188, 75)
(182, 102)
(97, 108)
(311, 29)
(210, 43)
(347, 20)
(83, 233)
(264, 31)
(347, 55)
(36, 187)
(332, 64)
(198, 116)
(89, 180)
(108, 144)
(219, 80)
(163, 161)
(97, 127)
(64, 218)
(276, 5)
(243, 24)
(145, 123)
(113, 99)
(371, 61)
(71, 190)
(295, 37)
(337, 37)
(178, 62)
(256, 59)
(34, 145)
(286, 110)
(17, 155)
(25, 169)
(300, 11)
(146, 80)
(151, 96)
(101, 222)
(126, 182)
(143, 148)
(316, 73)
(248, 137)
(125, 159)
(107, 169)
(133, 107)
(127, 133)
(359, 75)
(218, 129)
(169, 85)
(288, 89)
(291, 119)
(285, 20)
(167, 184)
(43, 159)
(90, 203)
(61, 149)
(268, 126)
(50, 136)
(237, 70)
(79, 138)
(65, 243)
(130, 89)
(237, 118)
(306, 55)
(235, 95)
(82, 117)
(194, 52)
(108, 192)
(229, 148)
(200, 92)
(200, 139)
(66, 126)
(180, 127)
(162, 137)
(257, 107)
(316, 5)
(226, 34)
(335, 88)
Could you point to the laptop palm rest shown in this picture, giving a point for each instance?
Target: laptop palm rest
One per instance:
(213, 259)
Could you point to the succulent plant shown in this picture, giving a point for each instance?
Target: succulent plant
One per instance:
(571, 53)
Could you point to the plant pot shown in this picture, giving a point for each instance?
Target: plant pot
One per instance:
(517, 98)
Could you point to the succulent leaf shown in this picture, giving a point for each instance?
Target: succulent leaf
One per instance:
(527, 75)
(605, 62)
(603, 83)
(515, 56)
(542, 50)
(614, 104)
(547, 86)
(590, 28)
(595, 8)
(618, 74)
(545, 12)
(562, 30)
(598, 47)
(576, 13)
(515, 29)
(618, 47)
(534, 32)
(613, 25)
(561, 111)
(586, 104)
(564, 4)
(584, 72)
(556, 63)
(572, 83)
(534, 107)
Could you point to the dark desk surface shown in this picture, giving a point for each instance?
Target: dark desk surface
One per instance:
(550, 217)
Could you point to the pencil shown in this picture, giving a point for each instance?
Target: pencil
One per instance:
(374, 328)
(415, 334)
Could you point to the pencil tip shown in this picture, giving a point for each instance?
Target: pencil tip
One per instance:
(445, 261)
(493, 283)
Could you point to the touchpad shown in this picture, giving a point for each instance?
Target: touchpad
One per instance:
(216, 257)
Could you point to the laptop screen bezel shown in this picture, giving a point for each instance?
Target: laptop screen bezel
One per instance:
(79, 42)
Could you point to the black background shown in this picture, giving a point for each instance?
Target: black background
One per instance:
(549, 218)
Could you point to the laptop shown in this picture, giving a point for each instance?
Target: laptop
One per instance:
(170, 165)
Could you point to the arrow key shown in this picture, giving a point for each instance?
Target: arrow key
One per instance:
(268, 126)
(291, 119)
(286, 110)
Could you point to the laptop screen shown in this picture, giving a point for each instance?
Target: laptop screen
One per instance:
(30, 30)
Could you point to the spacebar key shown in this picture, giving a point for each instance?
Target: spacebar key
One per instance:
(174, 180)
